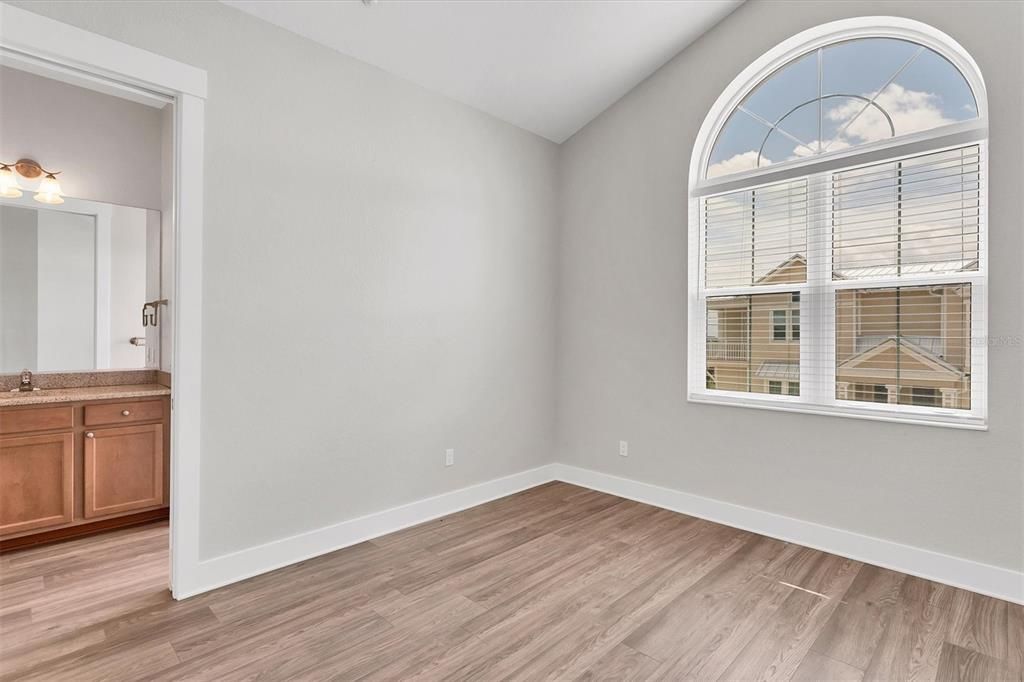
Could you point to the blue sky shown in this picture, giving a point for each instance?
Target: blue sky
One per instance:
(927, 93)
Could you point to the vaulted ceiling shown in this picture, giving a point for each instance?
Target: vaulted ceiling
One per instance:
(549, 66)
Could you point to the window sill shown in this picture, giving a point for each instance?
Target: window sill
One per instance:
(787, 404)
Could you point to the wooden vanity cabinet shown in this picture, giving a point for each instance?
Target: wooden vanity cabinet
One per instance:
(124, 469)
(71, 469)
(37, 480)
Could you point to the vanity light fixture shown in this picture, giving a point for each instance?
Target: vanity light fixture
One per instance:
(8, 183)
(49, 189)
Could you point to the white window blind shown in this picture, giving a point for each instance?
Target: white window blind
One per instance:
(751, 235)
(911, 216)
(856, 289)
(905, 345)
(749, 353)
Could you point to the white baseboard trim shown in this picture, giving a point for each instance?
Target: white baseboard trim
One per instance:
(246, 563)
(993, 581)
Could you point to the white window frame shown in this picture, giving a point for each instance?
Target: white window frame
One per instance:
(817, 294)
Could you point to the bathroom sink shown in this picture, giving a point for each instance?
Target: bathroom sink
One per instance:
(15, 393)
(36, 395)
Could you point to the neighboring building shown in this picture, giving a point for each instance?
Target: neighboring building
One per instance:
(909, 345)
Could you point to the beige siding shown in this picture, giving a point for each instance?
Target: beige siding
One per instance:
(933, 328)
(931, 323)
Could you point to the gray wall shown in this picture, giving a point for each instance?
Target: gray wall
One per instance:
(43, 119)
(66, 291)
(378, 279)
(380, 284)
(19, 248)
(130, 261)
(622, 324)
(108, 150)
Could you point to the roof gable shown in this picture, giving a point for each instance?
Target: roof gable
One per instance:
(912, 357)
(793, 269)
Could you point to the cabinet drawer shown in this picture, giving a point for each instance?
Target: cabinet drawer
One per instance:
(124, 413)
(36, 482)
(124, 469)
(35, 419)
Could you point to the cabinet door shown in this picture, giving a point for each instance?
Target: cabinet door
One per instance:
(36, 482)
(124, 469)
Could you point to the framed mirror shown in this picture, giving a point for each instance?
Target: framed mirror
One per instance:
(74, 279)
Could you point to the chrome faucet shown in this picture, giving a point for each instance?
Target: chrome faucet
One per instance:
(26, 381)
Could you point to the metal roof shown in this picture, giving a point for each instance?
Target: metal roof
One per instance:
(779, 369)
(907, 269)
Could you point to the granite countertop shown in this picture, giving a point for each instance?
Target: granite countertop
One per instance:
(86, 379)
(68, 395)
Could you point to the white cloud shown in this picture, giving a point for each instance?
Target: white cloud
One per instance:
(740, 162)
(910, 110)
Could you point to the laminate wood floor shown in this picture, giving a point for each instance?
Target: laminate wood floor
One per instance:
(557, 582)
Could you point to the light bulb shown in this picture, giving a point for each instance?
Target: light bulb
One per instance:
(49, 191)
(8, 183)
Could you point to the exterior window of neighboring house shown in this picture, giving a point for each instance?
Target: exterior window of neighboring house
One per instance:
(785, 325)
(778, 387)
(838, 229)
(780, 325)
(924, 396)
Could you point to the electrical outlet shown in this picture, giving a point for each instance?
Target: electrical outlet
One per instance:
(623, 449)
(449, 457)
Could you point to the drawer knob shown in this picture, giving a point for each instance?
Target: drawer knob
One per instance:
(90, 435)
(125, 413)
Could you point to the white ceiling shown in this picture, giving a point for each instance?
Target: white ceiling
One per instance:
(549, 66)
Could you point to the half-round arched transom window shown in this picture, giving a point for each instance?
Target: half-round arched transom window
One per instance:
(838, 229)
(840, 96)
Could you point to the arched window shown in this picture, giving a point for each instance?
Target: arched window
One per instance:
(838, 229)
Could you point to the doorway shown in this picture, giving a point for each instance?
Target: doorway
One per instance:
(48, 48)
